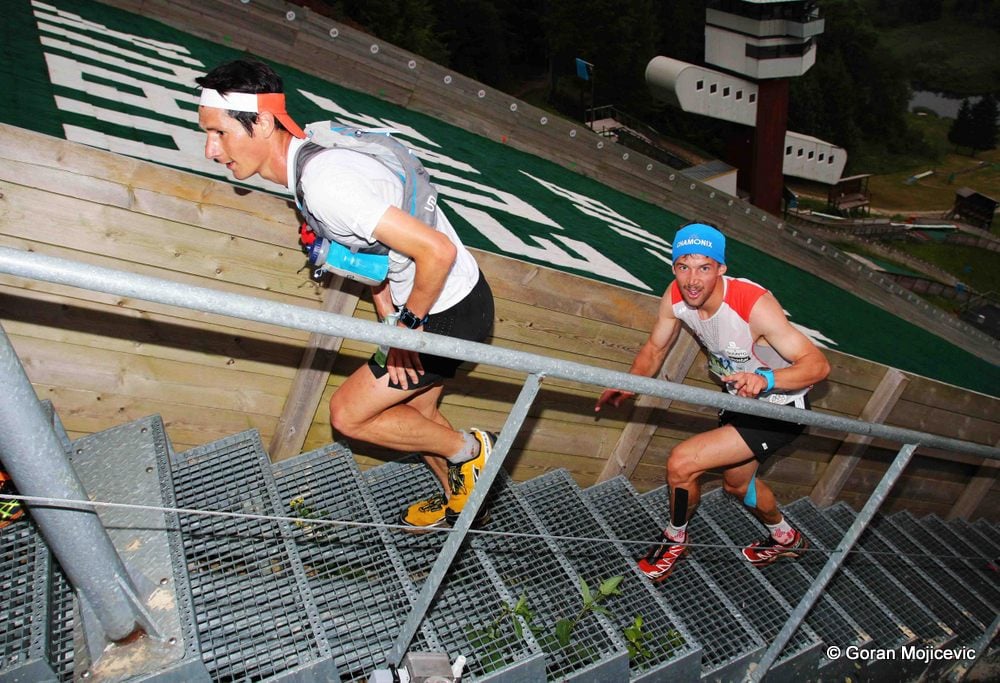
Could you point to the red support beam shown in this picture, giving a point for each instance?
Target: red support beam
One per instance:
(766, 178)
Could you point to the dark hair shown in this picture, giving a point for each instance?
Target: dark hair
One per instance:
(243, 75)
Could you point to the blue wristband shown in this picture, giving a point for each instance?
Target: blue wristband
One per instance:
(768, 374)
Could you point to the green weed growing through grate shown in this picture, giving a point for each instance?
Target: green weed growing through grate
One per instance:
(520, 616)
(302, 511)
(591, 604)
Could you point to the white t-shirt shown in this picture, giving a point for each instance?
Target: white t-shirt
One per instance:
(349, 192)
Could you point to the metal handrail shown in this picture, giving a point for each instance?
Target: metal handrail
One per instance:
(121, 283)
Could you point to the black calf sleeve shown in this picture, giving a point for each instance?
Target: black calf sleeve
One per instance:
(679, 513)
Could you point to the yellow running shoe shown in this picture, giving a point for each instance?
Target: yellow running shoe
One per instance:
(426, 514)
(462, 478)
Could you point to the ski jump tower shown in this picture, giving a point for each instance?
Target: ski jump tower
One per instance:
(768, 42)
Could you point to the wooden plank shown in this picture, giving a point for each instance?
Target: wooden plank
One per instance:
(945, 421)
(312, 376)
(634, 439)
(926, 481)
(976, 490)
(565, 336)
(136, 238)
(195, 385)
(551, 290)
(100, 326)
(882, 401)
(87, 412)
(924, 391)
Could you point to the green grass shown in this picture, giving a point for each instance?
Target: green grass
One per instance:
(952, 170)
(977, 268)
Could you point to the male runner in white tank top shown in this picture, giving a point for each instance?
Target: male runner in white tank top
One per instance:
(754, 352)
(434, 283)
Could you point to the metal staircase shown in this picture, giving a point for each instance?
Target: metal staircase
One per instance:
(267, 589)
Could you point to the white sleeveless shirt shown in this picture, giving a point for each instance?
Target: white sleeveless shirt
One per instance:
(727, 339)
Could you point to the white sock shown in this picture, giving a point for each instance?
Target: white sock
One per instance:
(782, 532)
(468, 451)
(677, 534)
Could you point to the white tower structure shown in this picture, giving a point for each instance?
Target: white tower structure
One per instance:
(768, 41)
(762, 39)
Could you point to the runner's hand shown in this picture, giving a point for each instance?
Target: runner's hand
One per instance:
(746, 384)
(404, 367)
(612, 397)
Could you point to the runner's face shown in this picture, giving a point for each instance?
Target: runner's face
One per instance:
(229, 143)
(697, 277)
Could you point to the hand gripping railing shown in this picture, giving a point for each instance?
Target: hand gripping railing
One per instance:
(65, 272)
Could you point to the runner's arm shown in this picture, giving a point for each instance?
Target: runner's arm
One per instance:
(808, 364)
(432, 252)
(651, 355)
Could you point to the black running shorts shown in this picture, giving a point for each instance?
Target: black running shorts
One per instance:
(764, 435)
(470, 319)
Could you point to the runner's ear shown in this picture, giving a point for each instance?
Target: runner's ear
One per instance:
(265, 123)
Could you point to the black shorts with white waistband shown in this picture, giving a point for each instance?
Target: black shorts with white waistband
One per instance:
(764, 435)
(470, 319)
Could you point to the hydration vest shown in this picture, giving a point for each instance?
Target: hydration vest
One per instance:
(419, 196)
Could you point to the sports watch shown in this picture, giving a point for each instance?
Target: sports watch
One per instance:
(410, 319)
(768, 374)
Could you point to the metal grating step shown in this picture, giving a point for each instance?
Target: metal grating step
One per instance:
(254, 616)
(760, 604)
(976, 538)
(972, 565)
(893, 595)
(471, 596)
(920, 531)
(557, 501)
(552, 587)
(37, 606)
(880, 550)
(62, 617)
(827, 618)
(729, 643)
(990, 531)
(874, 616)
(25, 570)
(525, 562)
(867, 605)
(354, 573)
(129, 464)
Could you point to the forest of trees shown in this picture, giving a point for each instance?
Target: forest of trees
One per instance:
(856, 95)
(976, 125)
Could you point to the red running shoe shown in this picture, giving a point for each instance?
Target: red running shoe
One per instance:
(764, 551)
(661, 559)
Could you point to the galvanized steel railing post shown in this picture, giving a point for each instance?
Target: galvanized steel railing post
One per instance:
(518, 413)
(34, 457)
(837, 558)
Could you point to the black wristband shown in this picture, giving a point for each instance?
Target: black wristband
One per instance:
(409, 319)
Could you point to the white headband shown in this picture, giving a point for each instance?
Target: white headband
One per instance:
(273, 102)
(234, 101)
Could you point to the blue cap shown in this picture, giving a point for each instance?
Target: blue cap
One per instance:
(698, 238)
